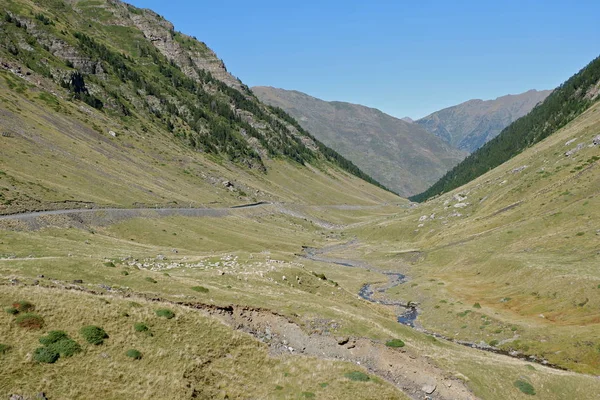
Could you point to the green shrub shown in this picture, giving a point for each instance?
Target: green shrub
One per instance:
(525, 387)
(23, 306)
(29, 321)
(124, 273)
(109, 264)
(394, 343)
(200, 289)
(45, 355)
(53, 337)
(476, 305)
(494, 342)
(133, 353)
(308, 395)
(11, 310)
(148, 279)
(140, 327)
(93, 334)
(4, 348)
(66, 347)
(165, 313)
(357, 376)
(324, 385)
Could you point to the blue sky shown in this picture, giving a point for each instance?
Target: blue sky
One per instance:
(407, 58)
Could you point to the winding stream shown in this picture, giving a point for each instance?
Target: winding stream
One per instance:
(368, 291)
(410, 311)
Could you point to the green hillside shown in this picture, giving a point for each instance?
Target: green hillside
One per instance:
(129, 79)
(564, 104)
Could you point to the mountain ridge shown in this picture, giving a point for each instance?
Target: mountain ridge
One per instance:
(401, 154)
(469, 125)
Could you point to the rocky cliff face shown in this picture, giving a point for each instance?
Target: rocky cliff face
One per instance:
(401, 155)
(187, 52)
(470, 125)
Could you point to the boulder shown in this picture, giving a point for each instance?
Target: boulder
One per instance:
(429, 386)
(343, 340)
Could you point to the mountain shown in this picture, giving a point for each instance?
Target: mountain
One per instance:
(111, 94)
(471, 124)
(563, 105)
(401, 155)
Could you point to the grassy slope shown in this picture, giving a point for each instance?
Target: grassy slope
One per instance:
(174, 359)
(59, 156)
(525, 248)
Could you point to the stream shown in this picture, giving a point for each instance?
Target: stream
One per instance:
(368, 291)
(410, 311)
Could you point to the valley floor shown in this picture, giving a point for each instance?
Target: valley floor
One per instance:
(293, 327)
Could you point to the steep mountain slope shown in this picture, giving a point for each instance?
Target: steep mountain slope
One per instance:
(401, 155)
(510, 259)
(97, 95)
(471, 124)
(564, 104)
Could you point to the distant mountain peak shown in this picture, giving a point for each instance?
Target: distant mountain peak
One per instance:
(471, 124)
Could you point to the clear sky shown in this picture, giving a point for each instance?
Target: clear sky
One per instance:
(407, 58)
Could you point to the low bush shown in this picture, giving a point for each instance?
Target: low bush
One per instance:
(93, 334)
(45, 355)
(53, 337)
(476, 305)
(357, 376)
(66, 347)
(200, 289)
(140, 327)
(109, 264)
(133, 353)
(23, 306)
(165, 313)
(11, 310)
(494, 342)
(525, 387)
(57, 342)
(148, 279)
(124, 273)
(394, 343)
(4, 348)
(29, 321)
